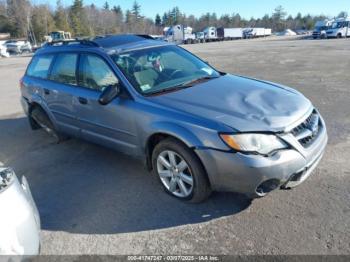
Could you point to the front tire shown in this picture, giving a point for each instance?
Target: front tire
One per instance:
(180, 171)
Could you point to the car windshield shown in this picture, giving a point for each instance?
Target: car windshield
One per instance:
(163, 69)
(320, 28)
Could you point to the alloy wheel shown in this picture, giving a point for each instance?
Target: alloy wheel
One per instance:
(175, 174)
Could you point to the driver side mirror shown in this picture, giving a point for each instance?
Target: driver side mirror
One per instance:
(108, 94)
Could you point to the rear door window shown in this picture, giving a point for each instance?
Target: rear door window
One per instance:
(64, 68)
(40, 65)
(95, 73)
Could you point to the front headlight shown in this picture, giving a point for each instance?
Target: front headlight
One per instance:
(254, 143)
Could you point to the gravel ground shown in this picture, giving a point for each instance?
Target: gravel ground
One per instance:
(95, 201)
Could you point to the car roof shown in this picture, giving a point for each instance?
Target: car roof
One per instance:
(109, 44)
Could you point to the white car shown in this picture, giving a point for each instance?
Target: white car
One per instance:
(18, 47)
(19, 217)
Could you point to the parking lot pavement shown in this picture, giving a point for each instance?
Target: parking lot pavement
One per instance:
(95, 201)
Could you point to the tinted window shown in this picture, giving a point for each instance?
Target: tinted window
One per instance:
(39, 67)
(95, 73)
(63, 70)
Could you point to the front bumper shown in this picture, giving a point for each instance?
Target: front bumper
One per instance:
(242, 173)
(20, 231)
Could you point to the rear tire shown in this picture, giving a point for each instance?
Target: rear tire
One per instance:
(39, 119)
(185, 167)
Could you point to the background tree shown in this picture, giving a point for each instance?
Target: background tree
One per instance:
(5, 24)
(106, 6)
(78, 19)
(278, 18)
(158, 20)
(119, 17)
(61, 18)
(22, 18)
(135, 10)
(342, 14)
(18, 15)
(42, 21)
(165, 20)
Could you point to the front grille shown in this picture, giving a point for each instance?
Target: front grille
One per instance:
(308, 130)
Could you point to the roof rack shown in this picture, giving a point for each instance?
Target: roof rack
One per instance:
(86, 42)
(146, 36)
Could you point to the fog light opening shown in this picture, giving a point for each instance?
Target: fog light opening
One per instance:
(266, 187)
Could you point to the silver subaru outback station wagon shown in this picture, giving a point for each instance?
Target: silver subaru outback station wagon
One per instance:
(196, 128)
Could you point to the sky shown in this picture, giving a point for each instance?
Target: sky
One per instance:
(246, 8)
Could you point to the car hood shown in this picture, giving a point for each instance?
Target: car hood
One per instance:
(243, 104)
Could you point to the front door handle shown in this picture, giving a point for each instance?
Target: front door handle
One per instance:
(83, 100)
(46, 91)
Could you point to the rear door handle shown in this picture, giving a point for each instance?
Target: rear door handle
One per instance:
(83, 100)
(46, 91)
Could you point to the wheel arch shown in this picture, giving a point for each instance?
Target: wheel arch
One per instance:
(156, 138)
(168, 130)
(37, 101)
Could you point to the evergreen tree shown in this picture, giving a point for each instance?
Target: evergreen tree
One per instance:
(136, 10)
(278, 17)
(158, 20)
(119, 14)
(78, 19)
(128, 17)
(60, 18)
(165, 19)
(117, 10)
(106, 6)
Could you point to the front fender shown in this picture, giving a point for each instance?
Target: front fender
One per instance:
(177, 131)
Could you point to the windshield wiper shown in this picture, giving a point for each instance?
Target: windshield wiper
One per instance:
(197, 80)
(166, 90)
(183, 85)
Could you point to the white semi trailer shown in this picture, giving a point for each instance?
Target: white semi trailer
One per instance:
(256, 32)
(229, 33)
(180, 34)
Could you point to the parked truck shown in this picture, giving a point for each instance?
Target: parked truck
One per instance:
(200, 37)
(210, 34)
(339, 28)
(180, 34)
(229, 33)
(321, 27)
(256, 32)
(58, 36)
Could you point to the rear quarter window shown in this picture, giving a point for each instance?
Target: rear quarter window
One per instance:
(39, 66)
